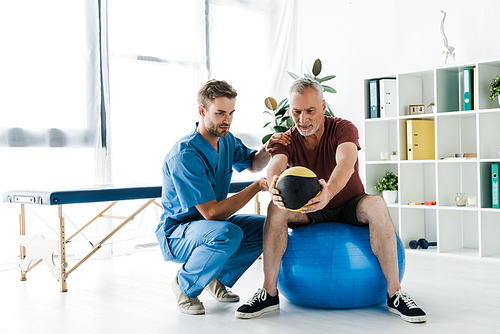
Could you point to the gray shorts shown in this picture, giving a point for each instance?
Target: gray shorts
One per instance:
(344, 214)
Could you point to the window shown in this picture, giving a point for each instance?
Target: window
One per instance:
(157, 64)
(45, 122)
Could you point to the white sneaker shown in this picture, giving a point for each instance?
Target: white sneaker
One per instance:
(220, 292)
(187, 305)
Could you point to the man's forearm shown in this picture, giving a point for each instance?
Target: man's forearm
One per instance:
(260, 160)
(222, 210)
(339, 178)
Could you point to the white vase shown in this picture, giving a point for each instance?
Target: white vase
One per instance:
(390, 196)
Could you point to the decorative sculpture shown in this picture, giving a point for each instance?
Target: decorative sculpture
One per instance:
(449, 50)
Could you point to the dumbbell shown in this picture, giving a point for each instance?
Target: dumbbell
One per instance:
(422, 243)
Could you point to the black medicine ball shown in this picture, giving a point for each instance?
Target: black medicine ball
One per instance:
(297, 185)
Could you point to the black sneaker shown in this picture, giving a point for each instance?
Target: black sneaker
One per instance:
(404, 306)
(260, 303)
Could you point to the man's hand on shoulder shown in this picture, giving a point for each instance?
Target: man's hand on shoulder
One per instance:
(277, 138)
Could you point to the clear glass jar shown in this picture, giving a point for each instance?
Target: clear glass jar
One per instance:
(461, 199)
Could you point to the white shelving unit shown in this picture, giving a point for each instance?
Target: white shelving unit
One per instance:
(464, 231)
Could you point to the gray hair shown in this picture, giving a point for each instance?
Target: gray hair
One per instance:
(299, 86)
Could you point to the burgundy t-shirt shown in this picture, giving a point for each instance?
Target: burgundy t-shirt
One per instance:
(322, 159)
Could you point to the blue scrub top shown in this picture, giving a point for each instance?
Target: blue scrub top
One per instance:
(195, 173)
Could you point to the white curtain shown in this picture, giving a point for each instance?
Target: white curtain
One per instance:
(252, 46)
(49, 111)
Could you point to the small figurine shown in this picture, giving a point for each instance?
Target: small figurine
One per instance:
(450, 50)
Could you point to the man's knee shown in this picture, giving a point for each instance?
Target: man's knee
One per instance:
(371, 207)
(283, 217)
(230, 235)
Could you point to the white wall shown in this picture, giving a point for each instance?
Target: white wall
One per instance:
(359, 39)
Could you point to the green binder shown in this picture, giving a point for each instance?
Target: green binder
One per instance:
(495, 191)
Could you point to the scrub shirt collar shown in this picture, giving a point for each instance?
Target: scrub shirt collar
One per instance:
(203, 142)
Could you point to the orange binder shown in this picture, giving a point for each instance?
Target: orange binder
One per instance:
(420, 135)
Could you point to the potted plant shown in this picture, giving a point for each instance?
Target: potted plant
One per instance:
(388, 186)
(430, 107)
(282, 121)
(495, 88)
(394, 155)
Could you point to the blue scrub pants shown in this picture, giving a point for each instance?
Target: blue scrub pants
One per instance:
(222, 249)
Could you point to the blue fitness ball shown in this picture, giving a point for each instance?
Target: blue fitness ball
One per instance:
(331, 265)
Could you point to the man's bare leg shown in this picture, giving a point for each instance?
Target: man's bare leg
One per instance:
(275, 239)
(373, 211)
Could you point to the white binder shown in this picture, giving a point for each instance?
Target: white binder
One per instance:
(387, 98)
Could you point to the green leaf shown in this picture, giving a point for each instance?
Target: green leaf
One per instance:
(316, 70)
(280, 113)
(308, 76)
(266, 138)
(328, 111)
(270, 103)
(283, 104)
(329, 89)
(266, 124)
(268, 112)
(294, 76)
(328, 77)
(284, 121)
(290, 122)
(279, 128)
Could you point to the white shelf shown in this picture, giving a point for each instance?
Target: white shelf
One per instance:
(470, 231)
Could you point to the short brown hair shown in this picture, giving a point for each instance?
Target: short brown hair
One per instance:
(213, 89)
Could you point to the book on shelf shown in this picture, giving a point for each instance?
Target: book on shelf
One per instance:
(374, 99)
(461, 156)
(387, 94)
(495, 189)
(458, 158)
(420, 139)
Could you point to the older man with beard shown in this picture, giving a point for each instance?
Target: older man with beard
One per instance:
(329, 147)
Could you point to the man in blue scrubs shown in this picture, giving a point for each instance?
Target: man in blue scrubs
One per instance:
(199, 227)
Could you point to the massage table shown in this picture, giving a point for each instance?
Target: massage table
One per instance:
(37, 248)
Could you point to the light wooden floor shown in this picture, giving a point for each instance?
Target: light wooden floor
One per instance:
(131, 294)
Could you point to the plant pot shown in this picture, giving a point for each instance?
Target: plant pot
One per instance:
(390, 196)
(394, 157)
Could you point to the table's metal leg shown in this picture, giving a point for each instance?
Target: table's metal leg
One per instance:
(62, 251)
(22, 231)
